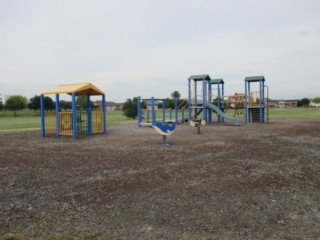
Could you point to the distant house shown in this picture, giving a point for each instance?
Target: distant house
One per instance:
(313, 104)
(110, 106)
(3, 98)
(283, 103)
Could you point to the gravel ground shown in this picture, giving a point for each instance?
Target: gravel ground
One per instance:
(249, 182)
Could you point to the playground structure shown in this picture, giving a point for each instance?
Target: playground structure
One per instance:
(158, 120)
(203, 102)
(149, 113)
(76, 122)
(255, 104)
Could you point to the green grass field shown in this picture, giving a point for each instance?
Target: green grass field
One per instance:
(27, 120)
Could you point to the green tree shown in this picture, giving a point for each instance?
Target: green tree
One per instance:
(15, 103)
(316, 100)
(65, 104)
(1, 106)
(49, 104)
(175, 94)
(305, 102)
(82, 102)
(130, 108)
(34, 103)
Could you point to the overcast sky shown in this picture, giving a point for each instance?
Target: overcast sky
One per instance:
(149, 48)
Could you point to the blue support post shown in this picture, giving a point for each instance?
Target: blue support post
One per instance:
(163, 111)
(43, 130)
(189, 99)
(195, 93)
(249, 103)
(246, 102)
(182, 115)
(219, 104)
(89, 116)
(153, 112)
(74, 116)
(204, 100)
(222, 96)
(176, 109)
(209, 101)
(140, 112)
(261, 99)
(57, 116)
(104, 114)
(170, 112)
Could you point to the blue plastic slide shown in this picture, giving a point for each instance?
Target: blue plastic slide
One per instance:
(236, 121)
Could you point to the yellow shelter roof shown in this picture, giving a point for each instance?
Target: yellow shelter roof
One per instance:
(80, 89)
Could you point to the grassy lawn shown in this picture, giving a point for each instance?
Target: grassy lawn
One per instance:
(30, 120)
(298, 112)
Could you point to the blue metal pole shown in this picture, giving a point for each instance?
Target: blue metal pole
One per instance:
(89, 116)
(222, 96)
(261, 101)
(104, 110)
(43, 130)
(176, 109)
(170, 112)
(210, 101)
(182, 115)
(189, 99)
(195, 93)
(139, 112)
(219, 100)
(204, 100)
(74, 116)
(163, 111)
(153, 112)
(245, 102)
(249, 103)
(57, 116)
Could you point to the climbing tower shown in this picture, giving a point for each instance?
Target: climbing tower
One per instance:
(254, 100)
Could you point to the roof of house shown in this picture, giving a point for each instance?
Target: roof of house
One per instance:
(80, 89)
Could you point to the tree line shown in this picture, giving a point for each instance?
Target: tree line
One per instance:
(17, 103)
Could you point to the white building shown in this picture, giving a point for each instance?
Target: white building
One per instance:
(313, 104)
(3, 98)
